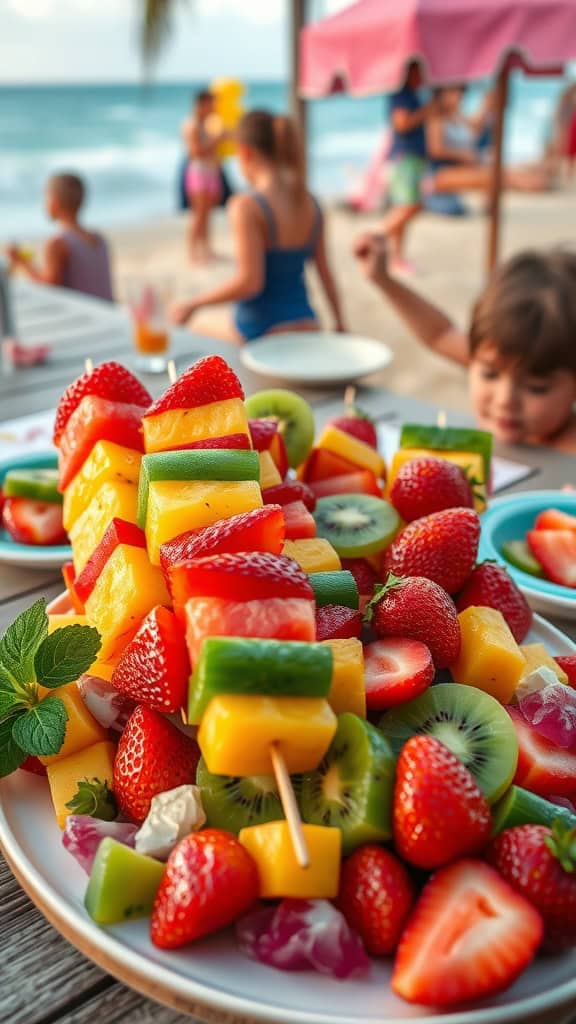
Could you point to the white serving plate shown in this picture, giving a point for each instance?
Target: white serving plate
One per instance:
(315, 357)
(212, 979)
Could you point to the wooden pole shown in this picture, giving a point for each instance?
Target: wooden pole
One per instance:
(297, 103)
(495, 189)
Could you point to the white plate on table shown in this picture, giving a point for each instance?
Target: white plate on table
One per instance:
(315, 357)
(212, 979)
(31, 556)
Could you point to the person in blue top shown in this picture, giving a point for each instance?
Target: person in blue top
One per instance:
(408, 116)
(277, 228)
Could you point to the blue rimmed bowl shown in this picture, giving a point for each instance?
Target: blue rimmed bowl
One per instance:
(510, 518)
(31, 556)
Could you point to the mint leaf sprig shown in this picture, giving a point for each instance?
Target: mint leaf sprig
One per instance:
(29, 658)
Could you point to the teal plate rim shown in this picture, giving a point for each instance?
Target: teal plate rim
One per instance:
(31, 554)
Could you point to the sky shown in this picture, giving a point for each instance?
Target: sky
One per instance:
(97, 40)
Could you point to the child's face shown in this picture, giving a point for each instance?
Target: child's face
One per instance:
(515, 406)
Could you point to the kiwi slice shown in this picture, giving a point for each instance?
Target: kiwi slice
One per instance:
(470, 722)
(519, 555)
(294, 417)
(356, 524)
(232, 802)
(353, 786)
(36, 484)
(520, 807)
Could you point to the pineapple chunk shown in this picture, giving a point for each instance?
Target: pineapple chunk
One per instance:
(281, 877)
(348, 690)
(269, 475)
(177, 427)
(113, 500)
(107, 462)
(95, 762)
(313, 554)
(351, 448)
(489, 658)
(536, 656)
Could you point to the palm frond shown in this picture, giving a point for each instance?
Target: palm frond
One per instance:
(155, 26)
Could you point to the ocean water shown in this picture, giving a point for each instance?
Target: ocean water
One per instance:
(124, 139)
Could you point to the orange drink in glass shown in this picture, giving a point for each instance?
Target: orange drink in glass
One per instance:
(150, 330)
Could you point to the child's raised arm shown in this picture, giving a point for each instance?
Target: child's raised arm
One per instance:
(325, 275)
(54, 268)
(430, 325)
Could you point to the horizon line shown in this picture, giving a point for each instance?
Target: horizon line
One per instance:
(144, 82)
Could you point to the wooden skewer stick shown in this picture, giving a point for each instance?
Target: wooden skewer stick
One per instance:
(349, 396)
(88, 365)
(171, 371)
(290, 807)
(442, 419)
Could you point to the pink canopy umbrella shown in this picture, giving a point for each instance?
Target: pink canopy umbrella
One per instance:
(365, 49)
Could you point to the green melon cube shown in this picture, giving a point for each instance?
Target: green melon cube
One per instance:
(123, 884)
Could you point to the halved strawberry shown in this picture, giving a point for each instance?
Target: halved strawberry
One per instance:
(336, 622)
(262, 529)
(154, 667)
(33, 522)
(109, 380)
(299, 522)
(396, 670)
(543, 767)
(469, 937)
(244, 576)
(208, 380)
(362, 481)
(290, 490)
(556, 552)
(554, 519)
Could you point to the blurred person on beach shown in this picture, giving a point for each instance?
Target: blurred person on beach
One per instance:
(277, 228)
(407, 156)
(564, 132)
(76, 258)
(203, 178)
(519, 349)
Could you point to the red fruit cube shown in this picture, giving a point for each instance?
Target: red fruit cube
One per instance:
(336, 622)
(273, 618)
(108, 380)
(360, 482)
(289, 490)
(266, 436)
(69, 577)
(299, 522)
(543, 767)
(118, 532)
(154, 667)
(246, 576)
(97, 419)
(322, 463)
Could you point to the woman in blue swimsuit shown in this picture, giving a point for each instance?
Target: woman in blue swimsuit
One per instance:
(277, 229)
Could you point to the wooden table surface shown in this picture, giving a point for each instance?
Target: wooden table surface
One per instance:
(44, 979)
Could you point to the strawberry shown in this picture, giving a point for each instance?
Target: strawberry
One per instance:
(543, 767)
(427, 485)
(152, 756)
(490, 585)
(556, 552)
(210, 880)
(109, 380)
(358, 425)
(554, 519)
(154, 666)
(567, 662)
(262, 432)
(540, 863)
(33, 522)
(34, 766)
(469, 937)
(238, 442)
(208, 380)
(439, 811)
(289, 491)
(262, 529)
(245, 576)
(365, 575)
(442, 547)
(396, 670)
(418, 609)
(376, 895)
(335, 622)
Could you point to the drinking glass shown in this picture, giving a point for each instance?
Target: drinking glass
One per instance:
(148, 303)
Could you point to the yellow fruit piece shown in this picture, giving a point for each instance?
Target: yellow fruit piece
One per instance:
(489, 658)
(269, 475)
(472, 462)
(112, 500)
(236, 733)
(280, 875)
(351, 448)
(103, 670)
(313, 554)
(126, 590)
(178, 427)
(107, 462)
(348, 690)
(175, 506)
(82, 729)
(536, 656)
(95, 762)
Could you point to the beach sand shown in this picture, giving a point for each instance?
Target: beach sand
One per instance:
(449, 254)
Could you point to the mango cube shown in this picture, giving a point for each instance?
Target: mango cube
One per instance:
(269, 475)
(174, 507)
(348, 690)
(536, 656)
(126, 590)
(95, 762)
(351, 448)
(107, 462)
(313, 554)
(236, 733)
(281, 877)
(62, 619)
(82, 729)
(489, 658)
(178, 427)
(113, 500)
(472, 462)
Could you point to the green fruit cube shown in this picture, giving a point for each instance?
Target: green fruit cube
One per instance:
(36, 484)
(123, 884)
(456, 439)
(337, 587)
